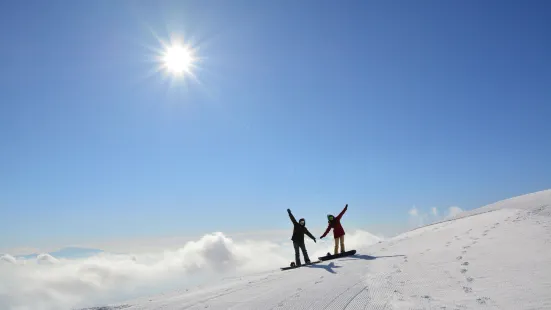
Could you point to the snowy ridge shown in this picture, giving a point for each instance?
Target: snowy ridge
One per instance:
(534, 201)
(531, 201)
(495, 257)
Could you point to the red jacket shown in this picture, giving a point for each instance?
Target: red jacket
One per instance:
(338, 231)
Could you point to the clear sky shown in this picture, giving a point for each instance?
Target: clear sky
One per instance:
(305, 105)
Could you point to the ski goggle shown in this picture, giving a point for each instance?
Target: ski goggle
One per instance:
(301, 222)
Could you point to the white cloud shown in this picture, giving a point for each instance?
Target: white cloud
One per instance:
(50, 283)
(6, 258)
(454, 211)
(418, 218)
(46, 259)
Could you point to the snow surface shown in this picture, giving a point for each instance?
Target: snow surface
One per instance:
(495, 257)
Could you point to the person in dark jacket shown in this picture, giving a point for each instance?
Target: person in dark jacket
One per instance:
(338, 230)
(299, 230)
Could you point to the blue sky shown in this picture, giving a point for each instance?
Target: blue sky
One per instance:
(304, 105)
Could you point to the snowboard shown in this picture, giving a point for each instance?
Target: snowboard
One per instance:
(293, 266)
(330, 256)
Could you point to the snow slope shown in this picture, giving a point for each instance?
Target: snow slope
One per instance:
(495, 257)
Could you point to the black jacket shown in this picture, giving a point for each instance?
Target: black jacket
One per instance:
(298, 230)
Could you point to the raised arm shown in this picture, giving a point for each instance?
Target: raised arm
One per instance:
(342, 212)
(291, 216)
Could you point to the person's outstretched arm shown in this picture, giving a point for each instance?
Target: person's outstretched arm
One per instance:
(326, 231)
(342, 212)
(291, 216)
(309, 234)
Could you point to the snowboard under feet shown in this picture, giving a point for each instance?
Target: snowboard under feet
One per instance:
(293, 266)
(331, 256)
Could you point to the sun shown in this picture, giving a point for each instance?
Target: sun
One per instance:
(178, 59)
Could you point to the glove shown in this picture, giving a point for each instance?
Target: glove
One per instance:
(314, 240)
(321, 238)
(289, 210)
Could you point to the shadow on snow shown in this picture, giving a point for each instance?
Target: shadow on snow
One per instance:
(328, 267)
(368, 257)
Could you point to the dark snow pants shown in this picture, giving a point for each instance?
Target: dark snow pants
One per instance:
(302, 247)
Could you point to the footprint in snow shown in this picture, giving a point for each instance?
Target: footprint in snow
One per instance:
(463, 270)
(469, 279)
(467, 289)
(482, 300)
(459, 257)
(465, 264)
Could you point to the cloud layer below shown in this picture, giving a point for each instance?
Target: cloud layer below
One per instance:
(54, 283)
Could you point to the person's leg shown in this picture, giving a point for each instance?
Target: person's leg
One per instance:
(336, 246)
(342, 243)
(297, 254)
(305, 253)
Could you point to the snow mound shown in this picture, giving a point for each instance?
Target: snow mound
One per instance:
(495, 257)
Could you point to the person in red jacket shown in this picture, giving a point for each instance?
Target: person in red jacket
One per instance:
(338, 231)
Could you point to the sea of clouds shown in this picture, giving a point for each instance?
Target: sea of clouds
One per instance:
(48, 282)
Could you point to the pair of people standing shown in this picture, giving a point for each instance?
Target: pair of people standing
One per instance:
(299, 230)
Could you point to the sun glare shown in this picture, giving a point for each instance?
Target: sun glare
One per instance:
(176, 62)
(178, 59)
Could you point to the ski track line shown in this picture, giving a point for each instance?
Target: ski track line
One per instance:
(344, 292)
(371, 296)
(310, 289)
(230, 291)
(377, 291)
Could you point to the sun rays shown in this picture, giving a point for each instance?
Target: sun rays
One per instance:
(176, 61)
